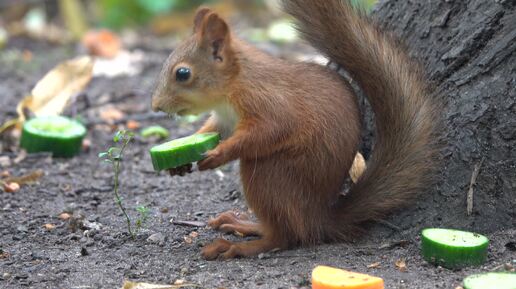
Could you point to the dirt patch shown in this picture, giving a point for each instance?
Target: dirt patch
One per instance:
(102, 255)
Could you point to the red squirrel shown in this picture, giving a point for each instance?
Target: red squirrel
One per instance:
(295, 127)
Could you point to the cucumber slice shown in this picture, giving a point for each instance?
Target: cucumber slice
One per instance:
(491, 281)
(182, 151)
(59, 135)
(155, 130)
(453, 248)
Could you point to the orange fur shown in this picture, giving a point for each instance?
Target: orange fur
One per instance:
(295, 127)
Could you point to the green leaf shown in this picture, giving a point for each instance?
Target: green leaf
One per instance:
(365, 5)
(103, 155)
(157, 6)
(119, 134)
(115, 153)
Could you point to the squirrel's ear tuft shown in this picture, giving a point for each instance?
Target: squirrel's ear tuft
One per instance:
(199, 17)
(214, 34)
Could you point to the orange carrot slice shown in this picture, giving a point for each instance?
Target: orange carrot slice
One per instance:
(324, 277)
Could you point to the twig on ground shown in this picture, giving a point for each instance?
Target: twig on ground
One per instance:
(189, 223)
(469, 201)
(389, 225)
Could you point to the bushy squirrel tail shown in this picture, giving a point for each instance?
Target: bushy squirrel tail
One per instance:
(406, 116)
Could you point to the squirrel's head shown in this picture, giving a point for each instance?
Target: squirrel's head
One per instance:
(196, 76)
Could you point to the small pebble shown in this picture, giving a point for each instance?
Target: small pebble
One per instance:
(157, 238)
(22, 228)
(5, 162)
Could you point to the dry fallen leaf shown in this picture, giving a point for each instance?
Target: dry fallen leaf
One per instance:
(374, 265)
(5, 174)
(103, 43)
(11, 187)
(30, 178)
(49, 227)
(111, 114)
(194, 234)
(54, 91)
(358, 167)
(401, 265)
(64, 216)
(188, 240)
(132, 125)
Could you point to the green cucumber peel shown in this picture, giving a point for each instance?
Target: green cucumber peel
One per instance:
(183, 151)
(453, 248)
(58, 135)
(494, 280)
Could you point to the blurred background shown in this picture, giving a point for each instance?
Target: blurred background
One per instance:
(134, 22)
(128, 39)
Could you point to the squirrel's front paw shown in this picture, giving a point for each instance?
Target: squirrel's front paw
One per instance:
(214, 159)
(181, 171)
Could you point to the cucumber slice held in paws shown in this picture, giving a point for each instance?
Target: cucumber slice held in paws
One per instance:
(491, 281)
(183, 151)
(453, 248)
(58, 135)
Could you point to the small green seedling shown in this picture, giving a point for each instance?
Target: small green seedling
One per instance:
(143, 214)
(114, 156)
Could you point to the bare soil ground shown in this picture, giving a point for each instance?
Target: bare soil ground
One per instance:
(102, 255)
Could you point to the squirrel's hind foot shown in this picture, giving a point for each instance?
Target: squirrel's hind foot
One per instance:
(237, 223)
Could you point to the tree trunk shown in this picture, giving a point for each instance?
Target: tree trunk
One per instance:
(468, 49)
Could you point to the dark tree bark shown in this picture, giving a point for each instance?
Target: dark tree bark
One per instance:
(468, 49)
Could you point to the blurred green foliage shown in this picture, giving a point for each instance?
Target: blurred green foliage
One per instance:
(366, 5)
(116, 14)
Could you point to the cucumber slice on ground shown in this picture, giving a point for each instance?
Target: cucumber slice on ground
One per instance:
(155, 130)
(491, 281)
(453, 248)
(59, 135)
(182, 151)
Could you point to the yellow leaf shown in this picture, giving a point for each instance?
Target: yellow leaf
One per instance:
(53, 92)
(401, 265)
(358, 168)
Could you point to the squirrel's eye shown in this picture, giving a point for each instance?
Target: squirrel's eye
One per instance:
(183, 74)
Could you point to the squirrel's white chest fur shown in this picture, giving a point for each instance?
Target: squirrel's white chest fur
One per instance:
(226, 118)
